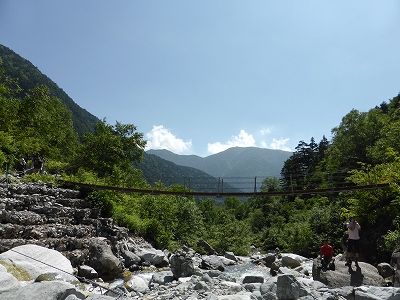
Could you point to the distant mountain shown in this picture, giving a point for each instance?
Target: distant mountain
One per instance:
(29, 76)
(233, 162)
(238, 165)
(157, 169)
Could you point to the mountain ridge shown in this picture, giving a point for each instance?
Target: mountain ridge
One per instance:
(29, 76)
(233, 162)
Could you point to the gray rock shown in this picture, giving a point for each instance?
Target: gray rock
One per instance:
(206, 246)
(231, 256)
(364, 274)
(8, 282)
(137, 284)
(268, 259)
(269, 286)
(253, 279)
(130, 258)
(181, 265)
(288, 271)
(99, 297)
(87, 272)
(291, 262)
(162, 278)
(151, 255)
(45, 290)
(385, 270)
(288, 288)
(373, 293)
(103, 260)
(36, 260)
(212, 262)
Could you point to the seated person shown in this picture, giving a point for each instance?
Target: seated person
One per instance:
(326, 254)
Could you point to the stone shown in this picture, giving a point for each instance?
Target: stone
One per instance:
(212, 262)
(206, 246)
(385, 270)
(137, 284)
(268, 259)
(130, 258)
(8, 282)
(253, 279)
(103, 260)
(45, 290)
(162, 278)
(373, 292)
(290, 261)
(231, 256)
(151, 255)
(36, 260)
(87, 272)
(181, 265)
(364, 274)
(288, 288)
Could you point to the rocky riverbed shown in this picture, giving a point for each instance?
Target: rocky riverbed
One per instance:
(56, 246)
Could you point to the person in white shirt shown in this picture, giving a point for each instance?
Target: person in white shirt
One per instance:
(353, 243)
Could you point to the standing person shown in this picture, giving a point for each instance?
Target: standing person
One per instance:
(326, 254)
(353, 243)
(38, 165)
(21, 167)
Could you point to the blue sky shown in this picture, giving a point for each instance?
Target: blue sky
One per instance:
(197, 77)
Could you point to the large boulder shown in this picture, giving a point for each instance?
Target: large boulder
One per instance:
(8, 282)
(288, 288)
(137, 284)
(45, 290)
(130, 258)
(182, 264)
(29, 261)
(364, 274)
(151, 255)
(103, 260)
(292, 260)
(385, 269)
(395, 263)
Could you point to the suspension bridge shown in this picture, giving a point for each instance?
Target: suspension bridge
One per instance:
(223, 187)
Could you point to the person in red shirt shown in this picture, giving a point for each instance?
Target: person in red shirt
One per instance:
(326, 254)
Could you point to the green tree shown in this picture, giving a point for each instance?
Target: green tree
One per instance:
(111, 146)
(270, 184)
(298, 171)
(45, 126)
(358, 132)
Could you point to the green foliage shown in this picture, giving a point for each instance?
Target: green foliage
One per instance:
(356, 134)
(299, 170)
(110, 147)
(47, 178)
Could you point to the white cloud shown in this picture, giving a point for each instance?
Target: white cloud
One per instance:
(241, 140)
(161, 138)
(265, 131)
(279, 144)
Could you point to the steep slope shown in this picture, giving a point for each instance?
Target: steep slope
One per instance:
(29, 76)
(157, 169)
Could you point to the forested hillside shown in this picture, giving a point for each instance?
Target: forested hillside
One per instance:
(364, 150)
(29, 76)
(155, 169)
